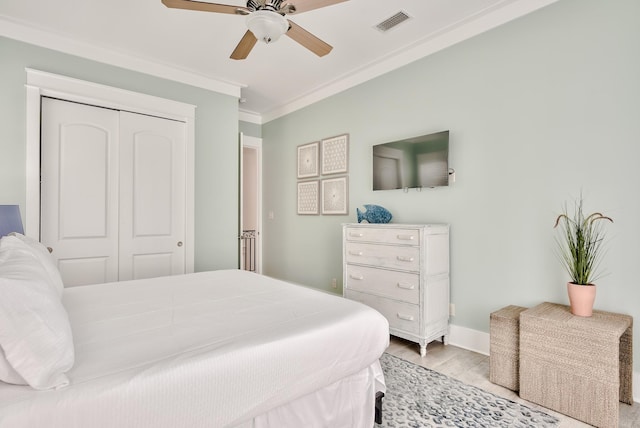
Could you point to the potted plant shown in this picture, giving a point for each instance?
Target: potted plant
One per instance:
(580, 248)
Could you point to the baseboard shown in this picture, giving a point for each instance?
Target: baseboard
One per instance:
(466, 338)
(478, 341)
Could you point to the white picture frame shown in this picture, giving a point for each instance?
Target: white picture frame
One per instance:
(334, 196)
(308, 160)
(308, 197)
(335, 155)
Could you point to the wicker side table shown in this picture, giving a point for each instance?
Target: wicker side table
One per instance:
(578, 366)
(504, 350)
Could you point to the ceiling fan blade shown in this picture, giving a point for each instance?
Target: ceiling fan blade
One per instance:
(308, 40)
(206, 7)
(247, 43)
(307, 5)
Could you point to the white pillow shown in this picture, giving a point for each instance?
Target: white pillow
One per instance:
(42, 254)
(35, 334)
(7, 373)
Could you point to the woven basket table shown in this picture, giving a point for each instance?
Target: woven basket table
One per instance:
(579, 366)
(504, 346)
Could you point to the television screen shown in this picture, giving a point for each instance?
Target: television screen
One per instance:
(414, 162)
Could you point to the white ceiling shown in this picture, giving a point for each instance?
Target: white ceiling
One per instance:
(194, 47)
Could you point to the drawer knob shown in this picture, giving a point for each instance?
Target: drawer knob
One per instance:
(406, 237)
(356, 234)
(406, 285)
(405, 259)
(355, 253)
(358, 277)
(405, 317)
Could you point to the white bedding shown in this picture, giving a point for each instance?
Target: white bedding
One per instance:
(210, 349)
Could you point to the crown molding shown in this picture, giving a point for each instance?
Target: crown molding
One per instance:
(250, 116)
(20, 31)
(483, 21)
(479, 23)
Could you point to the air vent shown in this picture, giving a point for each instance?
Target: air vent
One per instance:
(391, 22)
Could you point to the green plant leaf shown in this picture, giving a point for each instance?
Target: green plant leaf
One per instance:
(580, 242)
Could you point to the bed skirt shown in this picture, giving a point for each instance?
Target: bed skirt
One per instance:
(341, 404)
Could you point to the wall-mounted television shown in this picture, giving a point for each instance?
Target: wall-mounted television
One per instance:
(413, 162)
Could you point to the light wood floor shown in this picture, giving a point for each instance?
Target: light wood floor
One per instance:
(473, 369)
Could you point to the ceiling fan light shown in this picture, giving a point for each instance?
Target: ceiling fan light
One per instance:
(266, 25)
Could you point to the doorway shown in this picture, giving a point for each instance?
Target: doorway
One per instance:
(251, 204)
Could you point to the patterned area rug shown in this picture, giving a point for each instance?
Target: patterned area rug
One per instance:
(418, 397)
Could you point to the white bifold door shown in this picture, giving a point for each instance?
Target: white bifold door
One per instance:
(112, 193)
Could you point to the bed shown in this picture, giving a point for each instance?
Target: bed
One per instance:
(226, 348)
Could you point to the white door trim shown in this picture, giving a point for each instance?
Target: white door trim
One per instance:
(240, 199)
(40, 83)
(256, 143)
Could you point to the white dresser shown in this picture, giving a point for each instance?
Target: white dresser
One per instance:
(401, 270)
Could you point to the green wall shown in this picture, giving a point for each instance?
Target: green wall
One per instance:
(250, 129)
(539, 110)
(216, 140)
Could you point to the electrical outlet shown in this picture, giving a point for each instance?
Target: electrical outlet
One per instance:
(334, 283)
(452, 309)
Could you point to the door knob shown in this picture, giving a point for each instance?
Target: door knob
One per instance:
(179, 243)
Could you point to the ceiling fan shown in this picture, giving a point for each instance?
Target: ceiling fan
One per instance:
(266, 21)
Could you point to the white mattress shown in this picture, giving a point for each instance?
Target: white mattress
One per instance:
(210, 349)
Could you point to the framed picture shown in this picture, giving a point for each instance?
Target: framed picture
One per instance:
(335, 196)
(335, 154)
(308, 160)
(308, 197)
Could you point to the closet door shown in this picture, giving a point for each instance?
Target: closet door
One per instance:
(79, 190)
(113, 193)
(152, 196)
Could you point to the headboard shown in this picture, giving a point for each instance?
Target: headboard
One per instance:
(10, 220)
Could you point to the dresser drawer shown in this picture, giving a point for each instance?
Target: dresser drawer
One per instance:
(402, 286)
(386, 235)
(406, 258)
(402, 271)
(401, 316)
